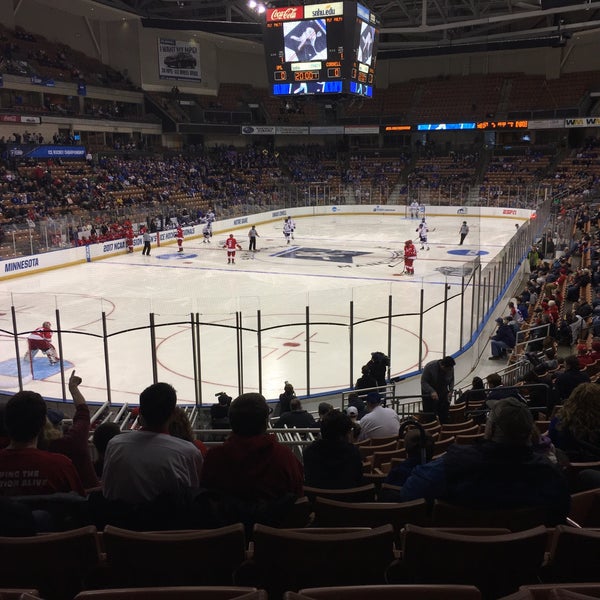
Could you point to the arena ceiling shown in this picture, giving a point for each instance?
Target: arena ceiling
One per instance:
(409, 27)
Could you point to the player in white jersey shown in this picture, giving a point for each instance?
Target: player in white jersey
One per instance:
(423, 230)
(207, 233)
(293, 225)
(287, 230)
(414, 209)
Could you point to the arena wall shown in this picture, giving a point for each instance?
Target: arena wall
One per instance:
(117, 38)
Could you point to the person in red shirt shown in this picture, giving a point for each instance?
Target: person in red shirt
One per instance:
(410, 253)
(41, 339)
(231, 244)
(24, 469)
(180, 238)
(74, 442)
(251, 464)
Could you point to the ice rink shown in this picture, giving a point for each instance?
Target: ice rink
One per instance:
(332, 261)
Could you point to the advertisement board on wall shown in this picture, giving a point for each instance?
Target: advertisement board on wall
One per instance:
(178, 59)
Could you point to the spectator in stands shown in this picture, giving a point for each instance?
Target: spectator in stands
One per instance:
(74, 442)
(379, 422)
(475, 394)
(366, 380)
(570, 378)
(251, 464)
(180, 427)
(352, 412)
(24, 469)
(323, 409)
(333, 461)
(503, 340)
(414, 457)
(437, 385)
(502, 472)
(296, 417)
(102, 435)
(143, 464)
(575, 430)
(285, 399)
(497, 390)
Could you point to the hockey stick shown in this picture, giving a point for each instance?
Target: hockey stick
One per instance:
(397, 262)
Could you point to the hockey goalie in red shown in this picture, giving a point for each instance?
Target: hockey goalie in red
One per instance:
(410, 253)
(231, 244)
(41, 339)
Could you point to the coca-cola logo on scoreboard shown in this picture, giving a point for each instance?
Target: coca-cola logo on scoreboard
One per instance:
(288, 13)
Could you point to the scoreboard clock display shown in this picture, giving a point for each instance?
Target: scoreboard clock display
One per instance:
(321, 49)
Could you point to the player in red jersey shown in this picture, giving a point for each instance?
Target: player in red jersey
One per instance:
(231, 244)
(410, 253)
(180, 238)
(129, 238)
(41, 339)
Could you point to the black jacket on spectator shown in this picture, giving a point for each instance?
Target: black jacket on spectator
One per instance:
(333, 465)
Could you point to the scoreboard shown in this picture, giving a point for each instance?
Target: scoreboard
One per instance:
(321, 49)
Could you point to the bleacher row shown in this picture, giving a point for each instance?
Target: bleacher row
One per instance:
(323, 542)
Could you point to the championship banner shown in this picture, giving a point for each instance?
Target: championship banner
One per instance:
(178, 60)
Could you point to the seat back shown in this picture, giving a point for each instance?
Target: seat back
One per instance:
(380, 458)
(203, 557)
(457, 426)
(515, 519)
(55, 564)
(574, 555)
(284, 560)
(542, 591)
(332, 513)
(585, 508)
(393, 592)
(175, 593)
(363, 493)
(433, 556)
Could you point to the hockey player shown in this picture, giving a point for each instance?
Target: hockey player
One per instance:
(287, 230)
(231, 245)
(292, 225)
(179, 237)
(414, 210)
(129, 238)
(207, 233)
(41, 339)
(422, 230)
(410, 253)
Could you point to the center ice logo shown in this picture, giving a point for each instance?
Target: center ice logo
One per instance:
(321, 254)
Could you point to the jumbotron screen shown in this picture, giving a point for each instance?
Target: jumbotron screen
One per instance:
(321, 49)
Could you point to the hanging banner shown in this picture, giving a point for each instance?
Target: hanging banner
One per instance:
(178, 60)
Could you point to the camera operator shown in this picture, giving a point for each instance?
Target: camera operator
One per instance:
(219, 413)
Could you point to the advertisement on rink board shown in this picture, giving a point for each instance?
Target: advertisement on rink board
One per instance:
(15, 267)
